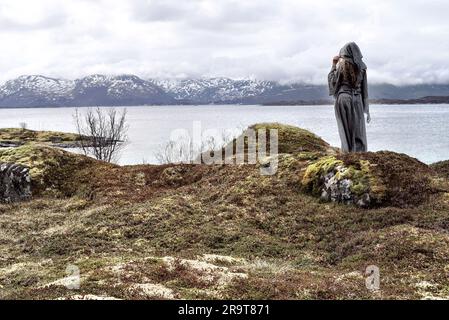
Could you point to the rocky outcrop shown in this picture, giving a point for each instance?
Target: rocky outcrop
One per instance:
(15, 183)
(369, 179)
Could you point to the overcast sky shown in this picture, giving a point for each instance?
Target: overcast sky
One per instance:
(403, 41)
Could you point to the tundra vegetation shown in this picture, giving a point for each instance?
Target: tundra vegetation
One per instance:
(225, 231)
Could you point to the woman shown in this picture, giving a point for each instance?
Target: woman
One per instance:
(348, 84)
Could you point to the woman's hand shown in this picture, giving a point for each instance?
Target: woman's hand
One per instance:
(335, 60)
(368, 118)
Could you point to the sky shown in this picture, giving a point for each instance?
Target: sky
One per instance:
(403, 41)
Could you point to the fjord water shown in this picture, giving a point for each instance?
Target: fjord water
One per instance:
(421, 131)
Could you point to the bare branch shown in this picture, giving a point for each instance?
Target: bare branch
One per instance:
(103, 132)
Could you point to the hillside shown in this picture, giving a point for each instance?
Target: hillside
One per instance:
(226, 231)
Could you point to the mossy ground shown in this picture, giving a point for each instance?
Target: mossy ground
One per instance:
(145, 232)
(32, 136)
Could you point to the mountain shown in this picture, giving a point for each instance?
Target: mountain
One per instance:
(121, 90)
(93, 90)
(215, 90)
(128, 90)
(224, 90)
(32, 91)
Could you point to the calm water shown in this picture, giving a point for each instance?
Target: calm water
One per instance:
(421, 131)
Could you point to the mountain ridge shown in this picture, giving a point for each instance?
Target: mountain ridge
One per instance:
(129, 90)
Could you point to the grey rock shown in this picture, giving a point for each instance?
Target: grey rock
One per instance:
(337, 189)
(15, 183)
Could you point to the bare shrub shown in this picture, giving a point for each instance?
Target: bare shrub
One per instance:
(180, 151)
(184, 150)
(23, 125)
(103, 132)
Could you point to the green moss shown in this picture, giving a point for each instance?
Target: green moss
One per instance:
(387, 177)
(393, 178)
(51, 169)
(293, 139)
(313, 177)
(290, 139)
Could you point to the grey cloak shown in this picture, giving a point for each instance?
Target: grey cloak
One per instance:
(351, 101)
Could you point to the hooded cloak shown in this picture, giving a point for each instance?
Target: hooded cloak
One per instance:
(351, 99)
(351, 52)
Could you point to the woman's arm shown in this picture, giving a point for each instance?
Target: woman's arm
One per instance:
(333, 78)
(365, 97)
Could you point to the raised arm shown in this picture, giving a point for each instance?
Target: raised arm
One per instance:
(333, 78)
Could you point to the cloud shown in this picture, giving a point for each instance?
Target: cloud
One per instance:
(403, 41)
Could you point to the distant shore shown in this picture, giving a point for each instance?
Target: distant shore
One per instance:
(423, 100)
(386, 101)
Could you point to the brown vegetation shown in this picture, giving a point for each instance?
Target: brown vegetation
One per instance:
(223, 231)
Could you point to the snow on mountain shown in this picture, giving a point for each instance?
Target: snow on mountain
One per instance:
(37, 83)
(37, 88)
(37, 91)
(118, 90)
(117, 85)
(214, 90)
(128, 90)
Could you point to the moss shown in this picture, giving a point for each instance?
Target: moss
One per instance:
(388, 178)
(290, 140)
(52, 170)
(393, 178)
(314, 175)
(293, 139)
(312, 179)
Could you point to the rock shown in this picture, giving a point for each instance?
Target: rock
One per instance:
(335, 189)
(369, 179)
(10, 144)
(15, 183)
(173, 175)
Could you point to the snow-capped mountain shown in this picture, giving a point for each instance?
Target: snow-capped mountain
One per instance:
(214, 90)
(128, 90)
(117, 90)
(28, 91)
(93, 90)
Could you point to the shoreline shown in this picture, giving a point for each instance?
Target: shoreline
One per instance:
(286, 104)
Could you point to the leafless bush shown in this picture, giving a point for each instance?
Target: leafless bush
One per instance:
(184, 150)
(23, 125)
(180, 151)
(103, 132)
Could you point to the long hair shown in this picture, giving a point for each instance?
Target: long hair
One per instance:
(350, 72)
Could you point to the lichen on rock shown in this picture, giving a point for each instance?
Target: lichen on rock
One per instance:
(334, 181)
(368, 179)
(15, 183)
